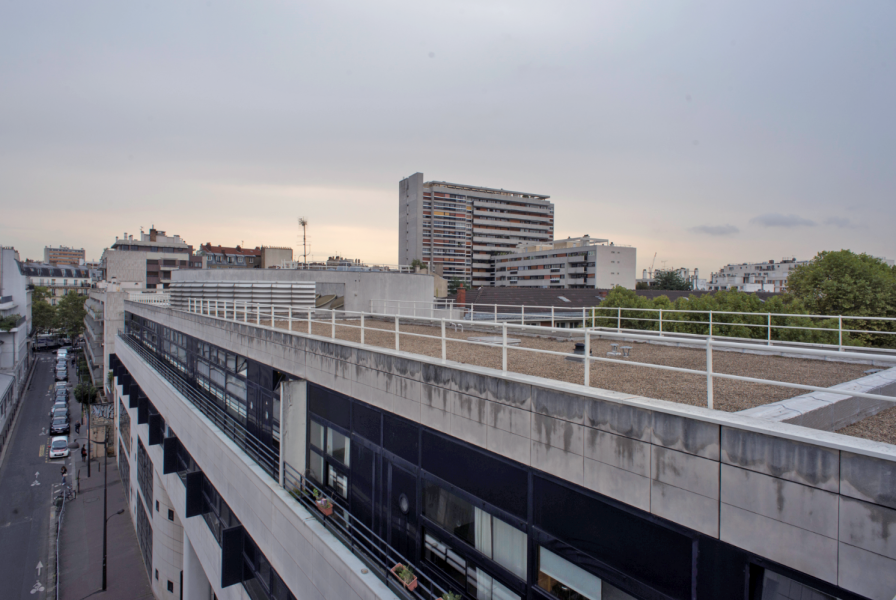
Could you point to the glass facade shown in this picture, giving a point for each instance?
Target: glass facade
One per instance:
(144, 474)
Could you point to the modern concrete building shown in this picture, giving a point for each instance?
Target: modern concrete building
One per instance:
(572, 263)
(648, 278)
(63, 255)
(489, 483)
(58, 280)
(15, 329)
(147, 261)
(768, 276)
(463, 227)
(224, 257)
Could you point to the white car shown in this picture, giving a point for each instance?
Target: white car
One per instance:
(59, 447)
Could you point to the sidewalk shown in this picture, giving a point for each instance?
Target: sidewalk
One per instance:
(81, 543)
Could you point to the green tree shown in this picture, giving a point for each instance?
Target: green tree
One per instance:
(70, 314)
(417, 264)
(43, 314)
(85, 393)
(670, 280)
(8, 322)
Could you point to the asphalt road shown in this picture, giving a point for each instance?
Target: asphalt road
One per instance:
(27, 483)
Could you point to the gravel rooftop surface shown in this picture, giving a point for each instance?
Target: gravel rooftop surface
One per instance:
(686, 388)
(879, 428)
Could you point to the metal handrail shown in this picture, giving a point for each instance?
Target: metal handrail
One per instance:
(360, 539)
(264, 456)
(252, 313)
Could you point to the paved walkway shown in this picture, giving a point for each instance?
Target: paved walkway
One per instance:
(81, 544)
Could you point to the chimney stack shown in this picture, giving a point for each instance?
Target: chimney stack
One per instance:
(462, 296)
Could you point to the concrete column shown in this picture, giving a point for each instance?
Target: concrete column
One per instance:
(196, 585)
(293, 424)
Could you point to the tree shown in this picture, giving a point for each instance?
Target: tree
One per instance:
(8, 322)
(456, 284)
(85, 393)
(417, 264)
(670, 280)
(70, 314)
(845, 283)
(43, 314)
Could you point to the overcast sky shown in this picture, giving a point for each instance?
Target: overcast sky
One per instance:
(705, 132)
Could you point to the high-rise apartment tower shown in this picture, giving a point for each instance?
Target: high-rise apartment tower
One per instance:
(461, 228)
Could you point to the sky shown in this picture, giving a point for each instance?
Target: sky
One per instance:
(706, 133)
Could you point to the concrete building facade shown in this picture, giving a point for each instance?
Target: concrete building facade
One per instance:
(63, 255)
(573, 263)
(462, 228)
(15, 340)
(494, 485)
(768, 276)
(58, 280)
(148, 260)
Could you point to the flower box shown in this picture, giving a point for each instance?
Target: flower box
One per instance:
(324, 506)
(410, 585)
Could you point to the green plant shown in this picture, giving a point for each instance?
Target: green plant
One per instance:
(85, 393)
(417, 264)
(405, 573)
(7, 323)
(110, 377)
(451, 596)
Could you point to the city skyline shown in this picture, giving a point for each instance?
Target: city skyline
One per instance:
(707, 135)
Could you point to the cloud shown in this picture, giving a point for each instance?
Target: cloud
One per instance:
(715, 229)
(779, 220)
(841, 222)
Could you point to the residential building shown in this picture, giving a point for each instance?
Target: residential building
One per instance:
(147, 261)
(63, 255)
(15, 340)
(267, 463)
(572, 263)
(462, 228)
(58, 280)
(224, 257)
(648, 278)
(273, 257)
(768, 276)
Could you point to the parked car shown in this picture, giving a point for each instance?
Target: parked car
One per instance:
(59, 426)
(61, 374)
(61, 413)
(57, 406)
(62, 392)
(59, 447)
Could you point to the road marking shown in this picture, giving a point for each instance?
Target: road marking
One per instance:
(37, 587)
(36, 482)
(41, 453)
(40, 566)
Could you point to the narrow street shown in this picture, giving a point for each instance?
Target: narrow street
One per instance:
(28, 480)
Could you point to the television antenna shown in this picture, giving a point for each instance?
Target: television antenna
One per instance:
(303, 223)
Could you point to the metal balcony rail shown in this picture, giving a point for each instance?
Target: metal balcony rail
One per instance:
(263, 455)
(5, 299)
(717, 323)
(360, 539)
(356, 268)
(163, 299)
(297, 319)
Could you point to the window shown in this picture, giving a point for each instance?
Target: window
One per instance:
(474, 581)
(491, 536)
(778, 587)
(566, 581)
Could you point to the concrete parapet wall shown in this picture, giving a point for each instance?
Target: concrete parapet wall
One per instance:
(818, 502)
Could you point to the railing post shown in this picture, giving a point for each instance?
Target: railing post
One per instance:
(273, 324)
(552, 317)
(584, 324)
(710, 323)
(661, 322)
(840, 332)
(216, 308)
(587, 358)
(396, 332)
(504, 347)
(362, 328)
(444, 349)
(289, 316)
(619, 319)
(496, 313)
(769, 329)
(309, 321)
(258, 314)
(523, 308)
(332, 323)
(709, 372)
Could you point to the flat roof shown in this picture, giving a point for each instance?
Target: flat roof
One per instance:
(462, 186)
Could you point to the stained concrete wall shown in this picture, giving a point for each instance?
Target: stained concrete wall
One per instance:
(818, 502)
(359, 288)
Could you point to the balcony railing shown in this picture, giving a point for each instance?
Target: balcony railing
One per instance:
(263, 455)
(360, 539)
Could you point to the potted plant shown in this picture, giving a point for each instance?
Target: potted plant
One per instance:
(405, 574)
(323, 504)
(450, 596)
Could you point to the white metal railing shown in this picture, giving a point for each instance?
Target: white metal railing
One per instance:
(302, 319)
(150, 298)
(384, 268)
(663, 322)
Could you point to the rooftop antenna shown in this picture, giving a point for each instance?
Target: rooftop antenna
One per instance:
(303, 223)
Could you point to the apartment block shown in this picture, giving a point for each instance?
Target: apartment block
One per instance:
(768, 276)
(148, 260)
(59, 280)
(461, 228)
(15, 344)
(63, 255)
(573, 263)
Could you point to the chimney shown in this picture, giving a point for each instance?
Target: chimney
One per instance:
(462, 296)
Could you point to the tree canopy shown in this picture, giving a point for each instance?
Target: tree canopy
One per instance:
(456, 284)
(43, 314)
(845, 283)
(670, 280)
(70, 313)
